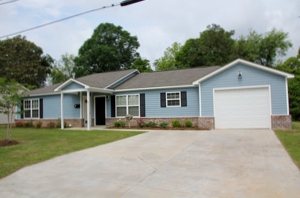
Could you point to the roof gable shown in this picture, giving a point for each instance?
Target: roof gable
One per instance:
(246, 63)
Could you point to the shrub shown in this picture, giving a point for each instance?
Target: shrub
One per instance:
(38, 124)
(176, 123)
(163, 125)
(58, 124)
(19, 124)
(188, 123)
(26, 124)
(140, 122)
(51, 125)
(151, 124)
(119, 123)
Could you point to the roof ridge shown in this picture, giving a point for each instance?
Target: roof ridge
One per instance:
(104, 73)
(181, 69)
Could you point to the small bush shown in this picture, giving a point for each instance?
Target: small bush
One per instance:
(27, 124)
(151, 124)
(120, 124)
(188, 123)
(38, 124)
(140, 122)
(176, 123)
(51, 125)
(19, 124)
(163, 125)
(58, 124)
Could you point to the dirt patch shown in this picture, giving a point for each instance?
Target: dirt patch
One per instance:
(7, 142)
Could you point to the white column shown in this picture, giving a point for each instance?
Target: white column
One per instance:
(62, 110)
(200, 101)
(81, 106)
(88, 110)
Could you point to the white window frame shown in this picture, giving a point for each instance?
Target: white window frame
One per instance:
(175, 92)
(127, 105)
(31, 108)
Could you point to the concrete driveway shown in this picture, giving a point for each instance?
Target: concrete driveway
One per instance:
(220, 163)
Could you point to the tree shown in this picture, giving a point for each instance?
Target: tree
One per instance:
(168, 61)
(11, 93)
(214, 47)
(62, 69)
(143, 65)
(109, 49)
(23, 61)
(263, 48)
(292, 65)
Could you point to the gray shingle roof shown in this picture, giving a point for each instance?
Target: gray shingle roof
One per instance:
(167, 78)
(99, 80)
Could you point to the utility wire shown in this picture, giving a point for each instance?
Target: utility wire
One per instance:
(8, 2)
(63, 19)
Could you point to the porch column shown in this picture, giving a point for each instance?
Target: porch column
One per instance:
(88, 110)
(62, 110)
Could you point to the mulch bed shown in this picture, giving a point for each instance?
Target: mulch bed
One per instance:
(7, 142)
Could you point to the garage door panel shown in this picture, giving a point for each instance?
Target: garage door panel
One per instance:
(242, 108)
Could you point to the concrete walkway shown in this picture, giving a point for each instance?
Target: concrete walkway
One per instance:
(220, 163)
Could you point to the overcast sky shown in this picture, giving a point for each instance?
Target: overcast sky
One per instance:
(156, 23)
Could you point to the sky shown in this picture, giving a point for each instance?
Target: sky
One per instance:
(156, 23)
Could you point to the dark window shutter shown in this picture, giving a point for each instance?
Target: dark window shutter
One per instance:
(113, 105)
(183, 99)
(22, 108)
(142, 105)
(162, 99)
(41, 108)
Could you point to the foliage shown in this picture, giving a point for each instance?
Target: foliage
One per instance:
(164, 125)
(143, 65)
(24, 62)
(151, 124)
(263, 48)
(58, 123)
(213, 47)
(51, 125)
(38, 125)
(11, 92)
(38, 145)
(19, 124)
(188, 123)
(168, 61)
(176, 123)
(140, 122)
(120, 123)
(292, 65)
(291, 141)
(62, 69)
(128, 118)
(109, 49)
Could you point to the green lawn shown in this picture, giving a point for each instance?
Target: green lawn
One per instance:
(291, 141)
(38, 145)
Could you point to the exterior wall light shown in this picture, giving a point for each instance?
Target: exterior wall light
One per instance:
(240, 75)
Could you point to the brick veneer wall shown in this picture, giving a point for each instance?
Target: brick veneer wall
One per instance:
(201, 123)
(281, 121)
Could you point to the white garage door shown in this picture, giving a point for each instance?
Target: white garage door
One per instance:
(242, 108)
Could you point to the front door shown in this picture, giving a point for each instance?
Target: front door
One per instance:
(100, 110)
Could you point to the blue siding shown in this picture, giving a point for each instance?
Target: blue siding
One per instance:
(73, 86)
(250, 77)
(52, 106)
(153, 108)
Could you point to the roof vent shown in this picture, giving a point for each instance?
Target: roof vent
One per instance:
(73, 75)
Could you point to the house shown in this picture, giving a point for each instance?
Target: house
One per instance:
(238, 95)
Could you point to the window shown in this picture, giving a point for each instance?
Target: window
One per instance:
(173, 99)
(128, 104)
(31, 108)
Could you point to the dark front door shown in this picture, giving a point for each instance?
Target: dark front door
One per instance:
(100, 111)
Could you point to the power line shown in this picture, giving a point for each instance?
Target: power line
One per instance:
(8, 2)
(60, 20)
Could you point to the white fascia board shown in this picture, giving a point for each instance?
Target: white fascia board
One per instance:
(123, 78)
(244, 62)
(155, 88)
(99, 90)
(68, 82)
